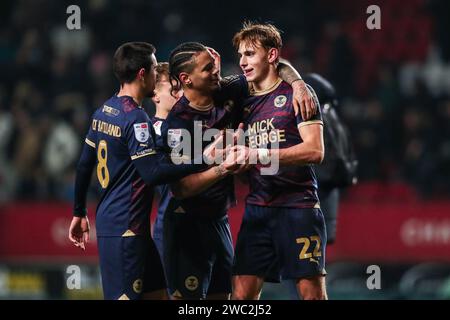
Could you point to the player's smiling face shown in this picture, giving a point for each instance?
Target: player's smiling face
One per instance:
(204, 76)
(254, 61)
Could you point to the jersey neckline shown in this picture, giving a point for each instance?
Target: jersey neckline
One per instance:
(268, 90)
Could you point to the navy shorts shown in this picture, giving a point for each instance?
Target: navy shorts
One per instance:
(198, 255)
(275, 243)
(158, 235)
(129, 266)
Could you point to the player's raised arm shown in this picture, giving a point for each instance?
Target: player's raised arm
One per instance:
(199, 182)
(217, 61)
(310, 151)
(154, 172)
(153, 166)
(302, 98)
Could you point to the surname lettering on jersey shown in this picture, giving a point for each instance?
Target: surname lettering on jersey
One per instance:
(106, 128)
(261, 133)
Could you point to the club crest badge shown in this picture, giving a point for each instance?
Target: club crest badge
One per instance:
(191, 283)
(280, 101)
(137, 286)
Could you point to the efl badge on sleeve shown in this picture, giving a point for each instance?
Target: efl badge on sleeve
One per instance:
(174, 137)
(141, 131)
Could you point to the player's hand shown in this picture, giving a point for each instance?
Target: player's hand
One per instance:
(246, 158)
(79, 232)
(230, 162)
(217, 60)
(214, 152)
(303, 100)
(239, 135)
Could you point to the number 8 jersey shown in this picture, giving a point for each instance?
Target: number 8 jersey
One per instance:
(121, 132)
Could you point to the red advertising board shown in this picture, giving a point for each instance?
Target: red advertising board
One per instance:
(37, 231)
(383, 232)
(393, 232)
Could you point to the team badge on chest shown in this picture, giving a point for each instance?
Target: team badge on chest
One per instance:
(280, 101)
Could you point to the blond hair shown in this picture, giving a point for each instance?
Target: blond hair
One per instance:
(266, 35)
(162, 72)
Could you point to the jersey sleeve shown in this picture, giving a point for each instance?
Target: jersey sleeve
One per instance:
(158, 169)
(82, 179)
(91, 136)
(172, 132)
(139, 135)
(234, 87)
(84, 170)
(172, 135)
(317, 118)
(163, 139)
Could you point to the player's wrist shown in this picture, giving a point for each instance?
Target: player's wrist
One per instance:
(220, 170)
(80, 213)
(296, 81)
(263, 155)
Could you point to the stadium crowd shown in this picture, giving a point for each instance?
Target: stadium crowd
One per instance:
(394, 83)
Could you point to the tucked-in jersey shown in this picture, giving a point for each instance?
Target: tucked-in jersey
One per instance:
(121, 132)
(269, 118)
(223, 114)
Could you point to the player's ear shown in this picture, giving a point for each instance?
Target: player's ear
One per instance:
(156, 99)
(185, 80)
(141, 74)
(184, 77)
(273, 55)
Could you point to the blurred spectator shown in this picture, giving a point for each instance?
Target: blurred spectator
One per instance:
(60, 153)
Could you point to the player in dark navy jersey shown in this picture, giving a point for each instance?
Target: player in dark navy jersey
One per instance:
(165, 97)
(283, 230)
(198, 248)
(269, 118)
(120, 148)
